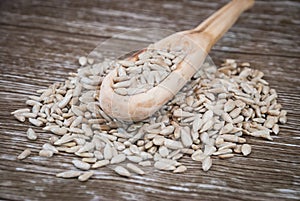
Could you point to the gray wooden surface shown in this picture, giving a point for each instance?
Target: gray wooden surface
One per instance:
(40, 42)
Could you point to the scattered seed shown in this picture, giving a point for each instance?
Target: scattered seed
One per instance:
(49, 147)
(19, 117)
(180, 169)
(59, 131)
(206, 164)
(85, 176)
(118, 159)
(226, 156)
(122, 171)
(69, 174)
(198, 155)
(100, 163)
(24, 154)
(31, 135)
(135, 168)
(246, 149)
(81, 165)
(35, 122)
(46, 153)
(164, 165)
(145, 163)
(82, 61)
(89, 160)
(275, 129)
(135, 159)
(20, 111)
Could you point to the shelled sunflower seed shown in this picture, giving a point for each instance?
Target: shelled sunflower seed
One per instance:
(24, 154)
(150, 68)
(209, 118)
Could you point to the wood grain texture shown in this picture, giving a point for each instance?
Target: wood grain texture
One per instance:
(40, 42)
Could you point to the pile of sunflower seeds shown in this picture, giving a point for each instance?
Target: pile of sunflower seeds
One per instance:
(207, 119)
(150, 68)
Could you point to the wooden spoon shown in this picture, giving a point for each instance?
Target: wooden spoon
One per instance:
(196, 44)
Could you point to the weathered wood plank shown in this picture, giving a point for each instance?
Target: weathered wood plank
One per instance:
(40, 43)
(91, 18)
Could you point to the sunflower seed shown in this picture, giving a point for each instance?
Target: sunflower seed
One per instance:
(100, 163)
(206, 164)
(82, 61)
(33, 102)
(46, 153)
(126, 63)
(198, 155)
(24, 154)
(89, 160)
(163, 151)
(134, 149)
(65, 100)
(229, 106)
(222, 152)
(207, 126)
(81, 165)
(181, 113)
(98, 154)
(270, 122)
(135, 159)
(235, 113)
(227, 128)
(159, 140)
(85, 176)
(283, 119)
(69, 174)
(186, 138)
(20, 111)
(31, 135)
(49, 147)
(167, 130)
(118, 159)
(164, 165)
(171, 144)
(275, 129)
(35, 122)
(225, 156)
(122, 171)
(19, 117)
(135, 168)
(58, 130)
(145, 163)
(246, 149)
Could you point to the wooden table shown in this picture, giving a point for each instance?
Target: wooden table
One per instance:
(40, 43)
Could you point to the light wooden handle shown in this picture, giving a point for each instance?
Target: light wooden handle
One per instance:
(219, 23)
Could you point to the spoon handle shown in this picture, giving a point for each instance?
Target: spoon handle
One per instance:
(218, 24)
